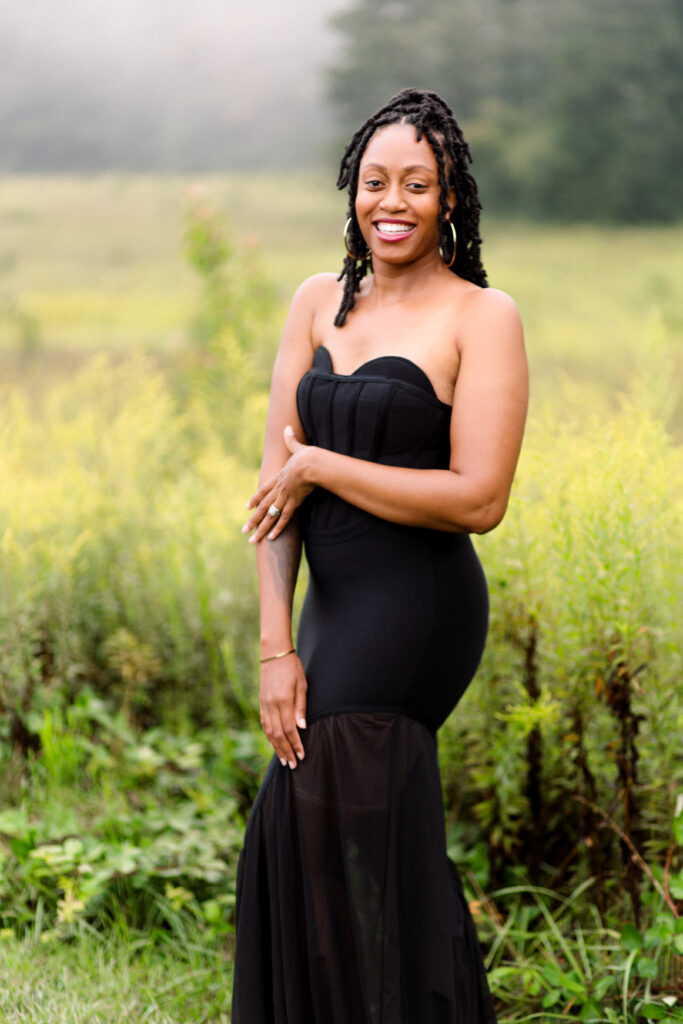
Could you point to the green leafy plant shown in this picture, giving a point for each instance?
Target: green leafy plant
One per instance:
(151, 836)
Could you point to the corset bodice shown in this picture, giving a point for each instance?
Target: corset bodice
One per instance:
(386, 411)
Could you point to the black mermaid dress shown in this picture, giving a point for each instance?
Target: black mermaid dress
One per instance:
(348, 910)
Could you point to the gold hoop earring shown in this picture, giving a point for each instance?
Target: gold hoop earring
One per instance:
(455, 246)
(346, 244)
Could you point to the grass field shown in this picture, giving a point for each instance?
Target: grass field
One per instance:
(87, 264)
(112, 982)
(125, 580)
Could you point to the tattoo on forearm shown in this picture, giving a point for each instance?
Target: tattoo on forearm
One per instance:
(283, 556)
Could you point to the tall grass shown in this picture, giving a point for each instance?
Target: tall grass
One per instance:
(97, 262)
(123, 514)
(107, 982)
(129, 745)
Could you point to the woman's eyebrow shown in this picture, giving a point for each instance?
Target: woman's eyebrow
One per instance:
(408, 170)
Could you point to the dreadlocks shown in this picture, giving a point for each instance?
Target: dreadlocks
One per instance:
(434, 119)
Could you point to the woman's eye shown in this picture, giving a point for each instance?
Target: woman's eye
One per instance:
(373, 183)
(416, 186)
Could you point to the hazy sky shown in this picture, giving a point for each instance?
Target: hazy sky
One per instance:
(177, 67)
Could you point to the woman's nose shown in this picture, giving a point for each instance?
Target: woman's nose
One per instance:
(393, 198)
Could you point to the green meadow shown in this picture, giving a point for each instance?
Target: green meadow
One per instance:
(138, 320)
(97, 263)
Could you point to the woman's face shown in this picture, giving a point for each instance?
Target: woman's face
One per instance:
(397, 202)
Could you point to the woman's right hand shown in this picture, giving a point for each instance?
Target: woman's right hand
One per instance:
(283, 707)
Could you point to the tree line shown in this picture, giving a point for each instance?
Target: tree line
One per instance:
(572, 110)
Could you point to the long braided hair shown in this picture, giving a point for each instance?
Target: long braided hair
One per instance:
(434, 119)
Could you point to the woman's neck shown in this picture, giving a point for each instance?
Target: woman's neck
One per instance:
(391, 283)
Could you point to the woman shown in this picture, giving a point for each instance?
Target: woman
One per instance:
(395, 422)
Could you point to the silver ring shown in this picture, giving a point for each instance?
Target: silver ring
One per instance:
(273, 511)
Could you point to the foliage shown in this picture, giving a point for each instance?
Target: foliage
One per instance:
(136, 831)
(120, 561)
(571, 735)
(237, 297)
(571, 108)
(572, 729)
(550, 956)
(129, 741)
(222, 373)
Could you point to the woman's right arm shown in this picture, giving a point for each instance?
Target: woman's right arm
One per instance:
(282, 691)
(283, 683)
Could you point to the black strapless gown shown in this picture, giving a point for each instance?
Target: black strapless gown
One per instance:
(348, 910)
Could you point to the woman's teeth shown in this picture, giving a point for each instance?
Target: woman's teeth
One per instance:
(393, 229)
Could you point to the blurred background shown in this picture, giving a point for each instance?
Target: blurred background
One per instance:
(572, 109)
(167, 178)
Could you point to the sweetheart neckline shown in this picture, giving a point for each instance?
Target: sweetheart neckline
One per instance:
(377, 359)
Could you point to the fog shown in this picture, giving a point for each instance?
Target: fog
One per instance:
(163, 84)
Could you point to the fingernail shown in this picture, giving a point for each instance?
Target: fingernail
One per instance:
(271, 535)
(245, 528)
(252, 540)
(300, 754)
(283, 762)
(301, 722)
(292, 764)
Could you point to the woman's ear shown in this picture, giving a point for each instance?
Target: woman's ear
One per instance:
(451, 200)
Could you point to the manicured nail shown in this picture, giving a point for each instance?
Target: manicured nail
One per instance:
(292, 764)
(300, 754)
(245, 528)
(252, 540)
(301, 722)
(283, 762)
(271, 535)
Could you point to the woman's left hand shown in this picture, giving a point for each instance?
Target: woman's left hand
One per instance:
(284, 492)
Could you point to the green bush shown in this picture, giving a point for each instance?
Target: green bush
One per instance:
(579, 696)
(120, 546)
(126, 829)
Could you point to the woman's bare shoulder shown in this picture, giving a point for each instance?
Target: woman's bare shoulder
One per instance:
(317, 300)
(490, 302)
(317, 288)
(489, 313)
(314, 298)
(472, 300)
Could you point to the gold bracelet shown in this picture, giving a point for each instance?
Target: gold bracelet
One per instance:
(282, 654)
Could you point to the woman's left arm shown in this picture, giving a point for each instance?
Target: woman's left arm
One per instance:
(487, 423)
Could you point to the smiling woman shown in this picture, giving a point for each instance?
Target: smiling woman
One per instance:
(395, 422)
